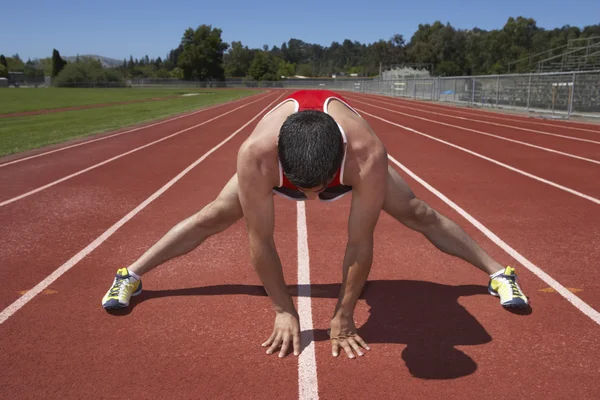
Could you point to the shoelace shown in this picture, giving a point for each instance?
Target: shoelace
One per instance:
(114, 290)
(513, 285)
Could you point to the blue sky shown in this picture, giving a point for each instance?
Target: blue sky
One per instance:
(118, 29)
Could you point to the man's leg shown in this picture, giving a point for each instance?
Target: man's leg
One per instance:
(188, 234)
(401, 203)
(181, 239)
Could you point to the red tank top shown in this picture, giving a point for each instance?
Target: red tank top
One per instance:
(315, 100)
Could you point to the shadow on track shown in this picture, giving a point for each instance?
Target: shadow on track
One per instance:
(424, 316)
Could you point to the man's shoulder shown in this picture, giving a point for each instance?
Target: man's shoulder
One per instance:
(255, 148)
(257, 157)
(363, 141)
(367, 155)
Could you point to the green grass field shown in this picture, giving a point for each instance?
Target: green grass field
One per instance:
(18, 100)
(29, 132)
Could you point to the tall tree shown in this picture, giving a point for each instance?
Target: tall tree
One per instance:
(237, 60)
(57, 63)
(263, 67)
(202, 55)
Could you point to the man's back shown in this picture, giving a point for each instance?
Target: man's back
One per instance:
(360, 141)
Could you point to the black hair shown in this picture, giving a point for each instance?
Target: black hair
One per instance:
(311, 148)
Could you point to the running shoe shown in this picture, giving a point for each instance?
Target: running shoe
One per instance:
(504, 284)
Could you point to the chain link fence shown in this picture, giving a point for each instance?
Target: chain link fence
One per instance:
(560, 94)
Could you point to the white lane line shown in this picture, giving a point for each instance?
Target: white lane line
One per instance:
(56, 182)
(128, 131)
(485, 133)
(488, 114)
(576, 301)
(477, 120)
(527, 174)
(307, 363)
(27, 297)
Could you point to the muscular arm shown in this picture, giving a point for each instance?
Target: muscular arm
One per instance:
(256, 200)
(367, 199)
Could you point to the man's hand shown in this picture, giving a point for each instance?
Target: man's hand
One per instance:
(343, 334)
(287, 328)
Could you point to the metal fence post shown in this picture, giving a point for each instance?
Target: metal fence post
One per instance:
(455, 83)
(529, 90)
(473, 91)
(497, 90)
(572, 96)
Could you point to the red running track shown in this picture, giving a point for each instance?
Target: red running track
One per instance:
(563, 139)
(515, 119)
(196, 330)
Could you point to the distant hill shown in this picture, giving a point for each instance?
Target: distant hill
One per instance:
(105, 61)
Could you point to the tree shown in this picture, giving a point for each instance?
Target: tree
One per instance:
(30, 70)
(237, 60)
(3, 61)
(304, 70)
(264, 67)
(88, 72)
(259, 66)
(3, 71)
(285, 68)
(15, 64)
(57, 63)
(202, 55)
(177, 73)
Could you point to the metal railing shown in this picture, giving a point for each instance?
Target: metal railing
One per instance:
(561, 94)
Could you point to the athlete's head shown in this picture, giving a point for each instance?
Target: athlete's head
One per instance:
(311, 148)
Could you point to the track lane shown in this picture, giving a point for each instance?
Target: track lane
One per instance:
(575, 127)
(22, 177)
(575, 147)
(62, 220)
(197, 328)
(576, 174)
(432, 326)
(433, 329)
(552, 228)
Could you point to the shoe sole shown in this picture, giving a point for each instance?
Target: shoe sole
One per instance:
(121, 306)
(508, 305)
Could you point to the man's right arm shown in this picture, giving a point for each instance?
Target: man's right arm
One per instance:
(256, 198)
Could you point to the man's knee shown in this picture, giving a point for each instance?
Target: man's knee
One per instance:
(419, 215)
(216, 216)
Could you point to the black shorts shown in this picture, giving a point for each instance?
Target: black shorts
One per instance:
(329, 194)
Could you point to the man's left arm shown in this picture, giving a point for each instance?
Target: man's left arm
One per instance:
(367, 200)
